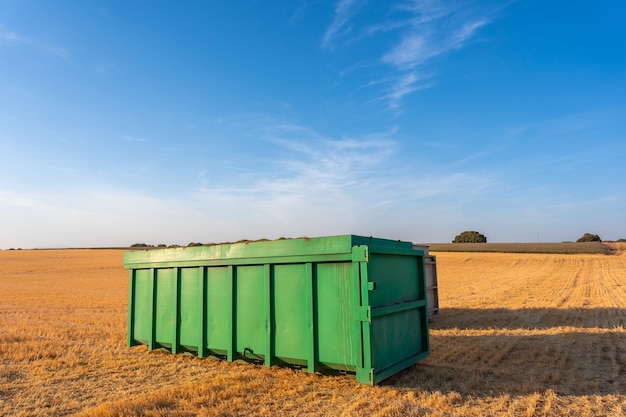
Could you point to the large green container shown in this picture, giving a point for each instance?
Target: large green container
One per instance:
(347, 304)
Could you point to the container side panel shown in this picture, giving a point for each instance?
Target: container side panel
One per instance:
(432, 298)
(250, 310)
(165, 318)
(290, 311)
(219, 298)
(398, 335)
(190, 308)
(334, 315)
(396, 279)
(431, 271)
(143, 305)
(432, 292)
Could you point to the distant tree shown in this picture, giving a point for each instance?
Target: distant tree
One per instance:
(588, 237)
(470, 236)
(140, 245)
(621, 240)
(192, 244)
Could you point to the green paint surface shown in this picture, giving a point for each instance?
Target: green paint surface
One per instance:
(342, 303)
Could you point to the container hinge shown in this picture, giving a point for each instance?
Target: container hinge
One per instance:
(365, 314)
(365, 375)
(360, 253)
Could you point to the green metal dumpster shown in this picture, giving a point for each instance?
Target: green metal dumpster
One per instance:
(339, 304)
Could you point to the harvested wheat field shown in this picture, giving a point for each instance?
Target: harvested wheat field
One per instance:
(518, 335)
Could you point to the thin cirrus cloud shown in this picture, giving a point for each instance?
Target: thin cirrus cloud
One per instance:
(427, 29)
(312, 169)
(333, 183)
(425, 41)
(341, 24)
(307, 183)
(131, 138)
(122, 214)
(10, 198)
(406, 84)
(432, 32)
(12, 39)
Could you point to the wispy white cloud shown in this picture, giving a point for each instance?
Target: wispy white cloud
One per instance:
(412, 51)
(435, 29)
(605, 200)
(341, 24)
(314, 185)
(301, 183)
(346, 153)
(406, 84)
(12, 39)
(563, 126)
(131, 138)
(426, 41)
(10, 198)
(92, 216)
(426, 29)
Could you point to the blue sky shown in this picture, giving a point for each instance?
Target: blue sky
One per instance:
(169, 122)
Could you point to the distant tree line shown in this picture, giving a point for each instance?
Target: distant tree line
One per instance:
(471, 236)
(147, 246)
(468, 236)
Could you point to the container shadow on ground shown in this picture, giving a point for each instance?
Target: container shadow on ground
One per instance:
(478, 353)
(528, 318)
